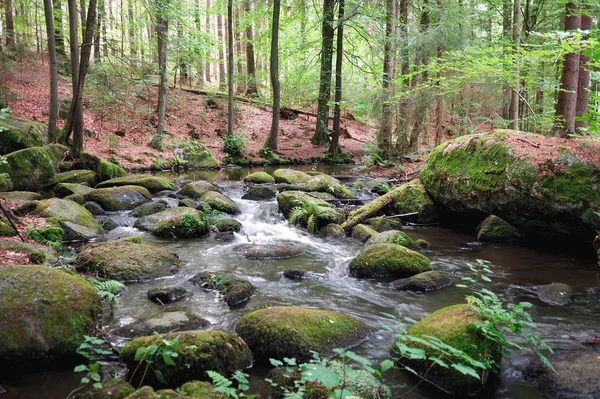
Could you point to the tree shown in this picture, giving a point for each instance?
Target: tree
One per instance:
(251, 88)
(53, 109)
(221, 39)
(230, 67)
(162, 30)
(208, 78)
(10, 24)
(339, 57)
(516, 37)
(583, 84)
(271, 142)
(321, 131)
(384, 135)
(58, 28)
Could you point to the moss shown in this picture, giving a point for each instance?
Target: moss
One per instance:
(29, 169)
(280, 332)
(18, 133)
(119, 198)
(6, 183)
(77, 221)
(426, 281)
(107, 170)
(200, 389)
(384, 224)
(224, 225)
(198, 352)
(66, 189)
(383, 260)
(362, 232)
(197, 189)
(412, 197)
(333, 230)
(259, 178)
(5, 228)
(175, 222)
(235, 291)
(570, 180)
(393, 237)
(115, 388)
(87, 177)
(495, 229)
(522, 174)
(290, 176)
(148, 209)
(220, 202)
(151, 183)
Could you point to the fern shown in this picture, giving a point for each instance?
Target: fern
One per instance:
(107, 290)
(308, 214)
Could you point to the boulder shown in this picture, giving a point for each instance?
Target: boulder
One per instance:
(270, 251)
(119, 198)
(542, 186)
(333, 230)
(149, 209)
(259, 178)
(384, 224)
(162, 323)
(455, 326)
(198, 156)
(363, 233)
(66, 189)
(18, 134)
(198, 352)
(227, 225)
(29, 169)
(153, 184)
(197, 189)
(6, 183)
(44, 315)
(190, 203)
(326, 213)
(124, 260)
(59, 153)
(220, 202)
(388, 260)
(104, 169)
(295, 274)
(426, 281)
(235, 291)
(497, 230)
(330, 185)
(554, 293)
(6, 228)
(290, 176)
(177, 222)
(294, 332)
(322, 195)
(21, 196)
(77, 222)
(259, 193)
(87, 177)
(412, 197)
(35, 253)
(167, 294)
(94, 208)
(392, 237)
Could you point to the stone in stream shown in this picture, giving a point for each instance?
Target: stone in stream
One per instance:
(180, 222)
(153, 184)
(259, 178)
(497, 230)
(393, 237)
(104, 169)
(382, 224)
(167, 294)
(199, 351)
(554, 293)
(295, 274)
(426, 281)
(77, 222)
(149, 209)
(119, 198)
(412, 197)
(270, 251)
(294, 332)
(330, 185)
(259, 193)
(362, 232)
(94, 208)
(84, 177)
(29, 169)
(227, 225)
(333, 230)
(235, 291)
(197, 189)
(65, 189)
(388, 260)
(220, 202)
(44, 315)
(190, 203)
(290, 176)
(164, 322)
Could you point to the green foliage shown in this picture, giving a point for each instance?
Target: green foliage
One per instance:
(175, 164)
(107, 290)
(51, 236)
(192, 226)
(92, 349)
(157, 143)
(233, 145)
(164, 351)
(224, 385)
(307, 214)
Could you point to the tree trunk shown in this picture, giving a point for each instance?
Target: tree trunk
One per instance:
(208, 78)
(10, 25)
(271, 142)
(53, 112)
(99, 24)
(384, 135)
(251, 88)
(162, 30)
(131, 32)
(321, 132)
(221, 40)
(564, 123)
(339, 56)
(200, 64)
(369, 210)
(230, 67)
(583, 84)
(514, 94)
(240, 81)
(76, 107)
(403, 105)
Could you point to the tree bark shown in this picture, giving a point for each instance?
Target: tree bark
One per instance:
(516, 37)
(99, 23)
(200, 64)
(369, 210)
(384, 135)
(221, 40)
(131, 33)
(251, 88)
(339, 57)
(583, 84)
(10, 24)
(162, 30)
(240, 81)
(207, 68)
(321, 131)
(53, 111)
(271, 142)
(230, 67)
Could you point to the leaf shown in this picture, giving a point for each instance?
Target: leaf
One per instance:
(160, 377)
(466, 370)
(386, 365)
(80, 368)
(140, 353)
(168, 359)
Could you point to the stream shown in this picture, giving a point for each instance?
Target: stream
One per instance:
(513, 266)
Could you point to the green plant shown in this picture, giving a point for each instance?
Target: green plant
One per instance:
(213, 283)
(308, 214)
(164, 351)
(51, 236)
(92, 349)
(107, 290)
(191, 225)
(233, 145)
(224, 385)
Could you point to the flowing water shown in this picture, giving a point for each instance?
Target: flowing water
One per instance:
(367, 300)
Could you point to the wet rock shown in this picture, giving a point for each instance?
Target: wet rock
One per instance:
(104, 169)
(497, 230)
(270, 251)
(290, 176)
(6, 183)
(393, 237)
(426, 281)
(288, 331)
(188, 202)
(362, 232)
(197, 189)
(115, 388)
(322, 195)
(36, 253)
(77, 222)
(162, 323)
(66, 189)
(259, 193)
(85, 177)
(326, 213)
(19, 133)
(94, 208)
(167, 294)
(198, 156)
(107, 223)
(333, 230)
(422, 243)
(44, 314)
(412, 197)
(226, 236)
(259, 178)
(149, 209)
(295, 274)
(283, 187)
(235, 291)
(119, 198)
(330, 185)
(554, 294)
(20, 196)
(201, 351)
(29, 169)
(220, 202)
(125, 260)
(153, 184)
(388, 260)
(175, 222)
(382, 224)
(227, 225)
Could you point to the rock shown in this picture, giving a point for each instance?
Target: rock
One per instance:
(119, 198)
(77, 222)
(167, 294)
(94, 209)
(323, 196)
(290, 176)
(295, 274)
(20, 196)
(259, 193)
(36, 253)
(227, 225)
(553, 191)
(86, 177)
(327, 213)
(293, 332)
(282, 187)
(554, 294)
(422, 243)
(363, 233)
(333, 230)
(44, 314)
(18, 134)
(153, 184)
(78, 198)
(220, 202)
(104, 169)
(149, 209)
(6, 183)
(270, 251)
(330, 185)
(29, 169)
(6, 228)
(197, 189)
(114, 388)
(177, 222)
(382, 224)
(126, 261)
(199, 157)
(188, 202)
(259, 178)
(59, 153)
(198, 352)
(107, 223)
(453, 325)
(412, 197)
(66, 189)
(426, 281)
(497, 230)
(235, 291)
(388, 260)
(393, 237)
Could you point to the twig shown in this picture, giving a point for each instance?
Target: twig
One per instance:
(529, 142)
(401, 215)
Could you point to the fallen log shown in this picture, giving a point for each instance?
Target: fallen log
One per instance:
(368, 210)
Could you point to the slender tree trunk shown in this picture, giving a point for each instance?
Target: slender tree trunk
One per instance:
(516, 37)
(230, 67)
(10, 24)
(583, 84)
(272, 140)
(221, 39)
(240, 81)
(208, 78)
(339, 57)
(76, 107)
(99, 23)
(131, 32)
(321, 132)
(403, 104)
(162, 30)
(384, 135)
(251, 88)
(564, 123)
(200, 65)
(53, 112)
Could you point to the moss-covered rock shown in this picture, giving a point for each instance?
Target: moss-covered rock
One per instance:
(119, 198)
(6, 228)
(6, 183)
(36, 253)
(235, 291)
(330, 185)
(198, 352)
(412, 197)
(333, 230)
(59, 153)
(270, 251)
(175, 222)
(115, 388)
(290, 176)
(19, 133)
(259, 193)
(77, 222)
(322, 195)
(393, 237)
(126, 261)
(455, 326)
(388, 260)
(197, 189)
(87, 177)
(384, 224)
(363, 233)
(200, 390)
(198, 156)
(190, 203)
(66, 189)
(149, 209)
(21, 196)
(325, 212)
(227, 225)
(426, 281)
(497, 230)
(162, 323)
(44, 314)
(288, 331)
(29, 169)
(104, 169)
(259, 178)
(166, 294)
(153, 184)
(220, 202)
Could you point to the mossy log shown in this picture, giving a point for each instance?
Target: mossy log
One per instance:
(369, 210)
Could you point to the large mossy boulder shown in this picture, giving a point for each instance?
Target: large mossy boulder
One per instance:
(44, 314)
(258, 193)
(29, 169)
(87, 177)
(104, 169)
(119, 198)
(66, 189)
(454, 326)
(495, 229)
(198, 156)
(388, 260)
(149, 209)
(6, 183)
(259, 178)
(18, 134)
(162, 323)
(393, 237)
(542, 186)
(427, 281)
(325, 212)
(291, 176)
(327, 184)
(125, 260)
(21, 196)
(58, 152)
(35, 253)
(294, 332)
(180, 222)
(197, 189)
(153, 184)
(220, 202)
(412, 197)
(77, 222)
(198, 352)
